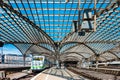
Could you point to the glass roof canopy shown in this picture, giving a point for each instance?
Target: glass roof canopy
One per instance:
(42, 23)
(55, 17)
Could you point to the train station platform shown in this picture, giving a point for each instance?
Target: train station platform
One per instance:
(74, 74)
(4, 66)
(58, 74)
(13, 67)
(43, 76)
(16, 75)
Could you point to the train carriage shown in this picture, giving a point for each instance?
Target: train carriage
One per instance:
(38, 63)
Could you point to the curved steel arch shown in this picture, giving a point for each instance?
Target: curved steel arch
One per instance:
(104, 58)
(70, 58)
(28, 49)
(111, 53)
(74, 57)
(3, 4)
(79, 43)
(45, 54)
(103, 41)
(70, 42)
(71, 47)
(89, 48)
(45, 48)
(90, 58)
(41, 53)
(66, 37)
(37, 46)
(84, 53)
(52, 45)
(19, 49)
(72, 53)
(114, 54)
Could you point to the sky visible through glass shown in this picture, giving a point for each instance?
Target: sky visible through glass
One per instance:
(10, 49)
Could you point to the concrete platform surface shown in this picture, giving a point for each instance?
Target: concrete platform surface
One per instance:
(43, 76)
(16, 75)
(58, 74)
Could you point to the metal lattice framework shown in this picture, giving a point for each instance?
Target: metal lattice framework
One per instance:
(46, 27)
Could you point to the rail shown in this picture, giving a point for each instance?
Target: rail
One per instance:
(94, 75)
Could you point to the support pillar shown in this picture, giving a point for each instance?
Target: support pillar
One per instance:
(97, 59)
(83, 63)
(24, 56)
(79, 64)
(57, 64)
(2, 55)
(88, 64)
(96, 64)
(57, 55)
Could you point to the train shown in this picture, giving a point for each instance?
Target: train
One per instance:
(39, 63)
(113, 64)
